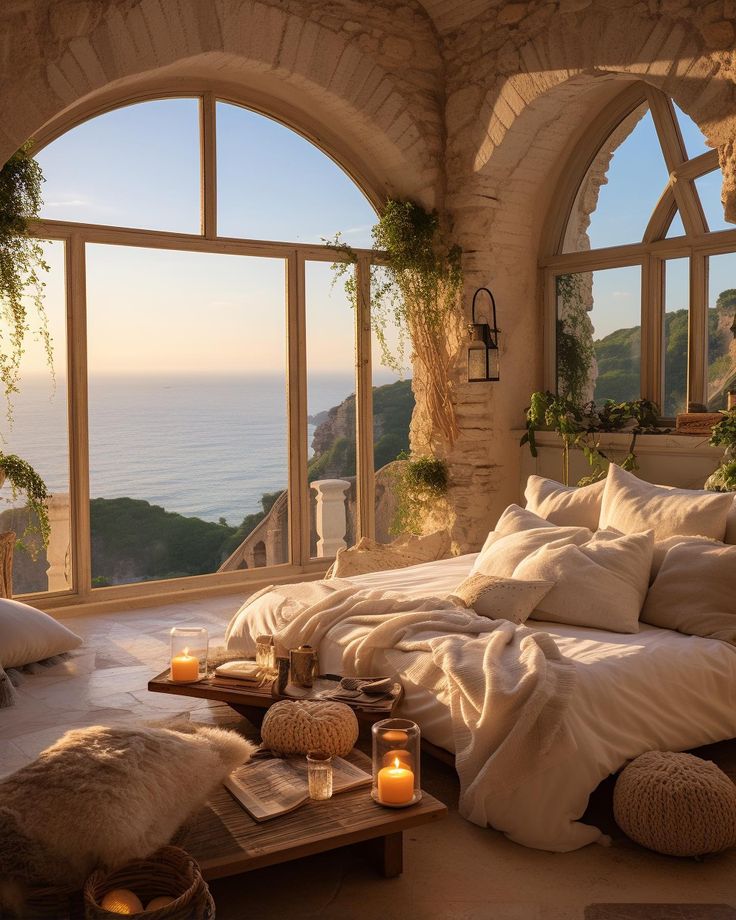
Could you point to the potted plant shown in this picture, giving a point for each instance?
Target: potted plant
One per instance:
(724, 435)
(21, 293)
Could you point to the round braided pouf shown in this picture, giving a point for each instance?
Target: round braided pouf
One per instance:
(301, 726)
(676, 804)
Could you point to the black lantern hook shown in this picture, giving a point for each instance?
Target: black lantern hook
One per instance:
(494, 330)
(483, 354)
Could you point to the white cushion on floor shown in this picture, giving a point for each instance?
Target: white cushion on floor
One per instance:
(28, 635)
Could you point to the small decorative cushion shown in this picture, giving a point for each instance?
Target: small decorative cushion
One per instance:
(500, 598)
(676, 804)
(103, 796)
(633, 506)
(299, 726)
(28, 635)
(566, 506)
(601, 584)
(370, 556)
(695, 591)
(518, 534)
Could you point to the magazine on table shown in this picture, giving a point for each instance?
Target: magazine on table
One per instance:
(267, 788)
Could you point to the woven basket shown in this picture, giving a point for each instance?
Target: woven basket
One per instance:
(170, 871)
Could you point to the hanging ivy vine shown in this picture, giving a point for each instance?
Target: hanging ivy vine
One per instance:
(22, 265)
(415, 289)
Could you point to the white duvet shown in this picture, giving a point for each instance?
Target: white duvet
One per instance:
(653, 690)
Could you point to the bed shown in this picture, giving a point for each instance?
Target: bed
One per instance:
(656, 689)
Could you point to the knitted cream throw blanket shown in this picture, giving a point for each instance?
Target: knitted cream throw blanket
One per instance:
(508, 686)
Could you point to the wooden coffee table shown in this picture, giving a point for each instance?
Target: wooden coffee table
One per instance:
(253, 702)
(225, 840)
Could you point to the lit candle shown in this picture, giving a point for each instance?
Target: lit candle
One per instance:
(404, 758)
(395, 784)
(185, 667)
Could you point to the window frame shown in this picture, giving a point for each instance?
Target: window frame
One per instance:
(294, 256)
(651, 252)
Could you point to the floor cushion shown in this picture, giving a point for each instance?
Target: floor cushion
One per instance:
(28, 635)
(676, 804)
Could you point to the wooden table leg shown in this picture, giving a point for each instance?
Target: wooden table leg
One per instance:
(392, 855)
(253, 714)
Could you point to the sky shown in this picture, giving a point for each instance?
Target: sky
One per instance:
(158, 312)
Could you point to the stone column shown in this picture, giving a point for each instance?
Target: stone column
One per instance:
(331, 523)
(58, 552)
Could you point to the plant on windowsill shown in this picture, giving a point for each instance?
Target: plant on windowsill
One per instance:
(416, 287)
(21, 293)
(724, 435)
(581, 425)
(417, 486)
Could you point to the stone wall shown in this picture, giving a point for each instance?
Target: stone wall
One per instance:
(470, 107)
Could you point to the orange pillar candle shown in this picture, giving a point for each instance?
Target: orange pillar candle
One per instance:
(395, 784)
(185, 667)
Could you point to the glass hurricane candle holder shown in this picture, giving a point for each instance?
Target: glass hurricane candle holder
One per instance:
(396, 763)
(189, 646)
(319, 774)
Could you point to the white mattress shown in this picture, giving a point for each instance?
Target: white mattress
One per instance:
(656, 689)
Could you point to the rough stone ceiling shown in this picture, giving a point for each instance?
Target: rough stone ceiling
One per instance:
(448, 15)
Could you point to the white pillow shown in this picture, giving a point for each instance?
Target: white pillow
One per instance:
(695, 592)
(662, 547)
(601, 584)
(27, 635)
(567, 506)
(500, 598)
(512, 520)
(731, 524)
(633, 506)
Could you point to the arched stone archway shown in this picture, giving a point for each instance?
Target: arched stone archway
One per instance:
(300, 64)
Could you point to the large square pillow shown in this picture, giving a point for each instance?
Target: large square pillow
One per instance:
(695, 591)
(104, 796)
(501, 557)
(601, 583)
(500, 598)
(27, 635)
(634, 506)
(566, 506)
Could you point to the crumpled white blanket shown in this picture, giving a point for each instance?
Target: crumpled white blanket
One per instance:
(508, 686)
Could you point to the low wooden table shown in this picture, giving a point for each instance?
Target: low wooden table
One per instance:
(225, 840)
(253, 702)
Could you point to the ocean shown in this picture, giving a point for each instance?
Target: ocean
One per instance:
(202, 446)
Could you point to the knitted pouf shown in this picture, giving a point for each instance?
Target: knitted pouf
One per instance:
(300, 726)
(676, 804)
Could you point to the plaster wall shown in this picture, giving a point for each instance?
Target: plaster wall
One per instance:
(474, 110)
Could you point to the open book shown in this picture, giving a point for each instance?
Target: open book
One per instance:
(273, 787)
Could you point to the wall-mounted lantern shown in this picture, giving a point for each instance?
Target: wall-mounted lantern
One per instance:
(483, 363)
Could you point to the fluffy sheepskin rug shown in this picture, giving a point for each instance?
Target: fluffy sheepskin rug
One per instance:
(103, 796)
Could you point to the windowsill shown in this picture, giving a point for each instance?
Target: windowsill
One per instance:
(645, 443)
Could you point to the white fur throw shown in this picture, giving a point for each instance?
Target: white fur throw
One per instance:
(103, 796)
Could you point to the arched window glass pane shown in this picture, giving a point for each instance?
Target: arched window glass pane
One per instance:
(677, 311)
(676, 228)
(721, 329)
(620, 189)
(137, 166)
(599, 334)
(273, 184)
(694, 138)
(709, 190)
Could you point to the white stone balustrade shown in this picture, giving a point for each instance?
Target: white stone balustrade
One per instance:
(331, 516)
(58, 552)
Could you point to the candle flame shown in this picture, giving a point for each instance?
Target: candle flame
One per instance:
(186, 650)
(397, 763)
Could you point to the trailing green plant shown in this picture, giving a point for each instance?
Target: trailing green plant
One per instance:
(24, 480)
(21, 291)
(724, 433)
(580, 427)
(415, 288)
(417, 485)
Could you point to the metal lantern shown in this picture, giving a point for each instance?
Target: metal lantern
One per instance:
(483, 363)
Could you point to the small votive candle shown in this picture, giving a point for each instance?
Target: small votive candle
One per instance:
(188, 661)
(319, 774)
(395, 784)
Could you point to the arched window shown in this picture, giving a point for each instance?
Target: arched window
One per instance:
(212, 366)
(641, 268)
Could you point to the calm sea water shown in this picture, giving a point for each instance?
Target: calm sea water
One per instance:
(207, 446)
